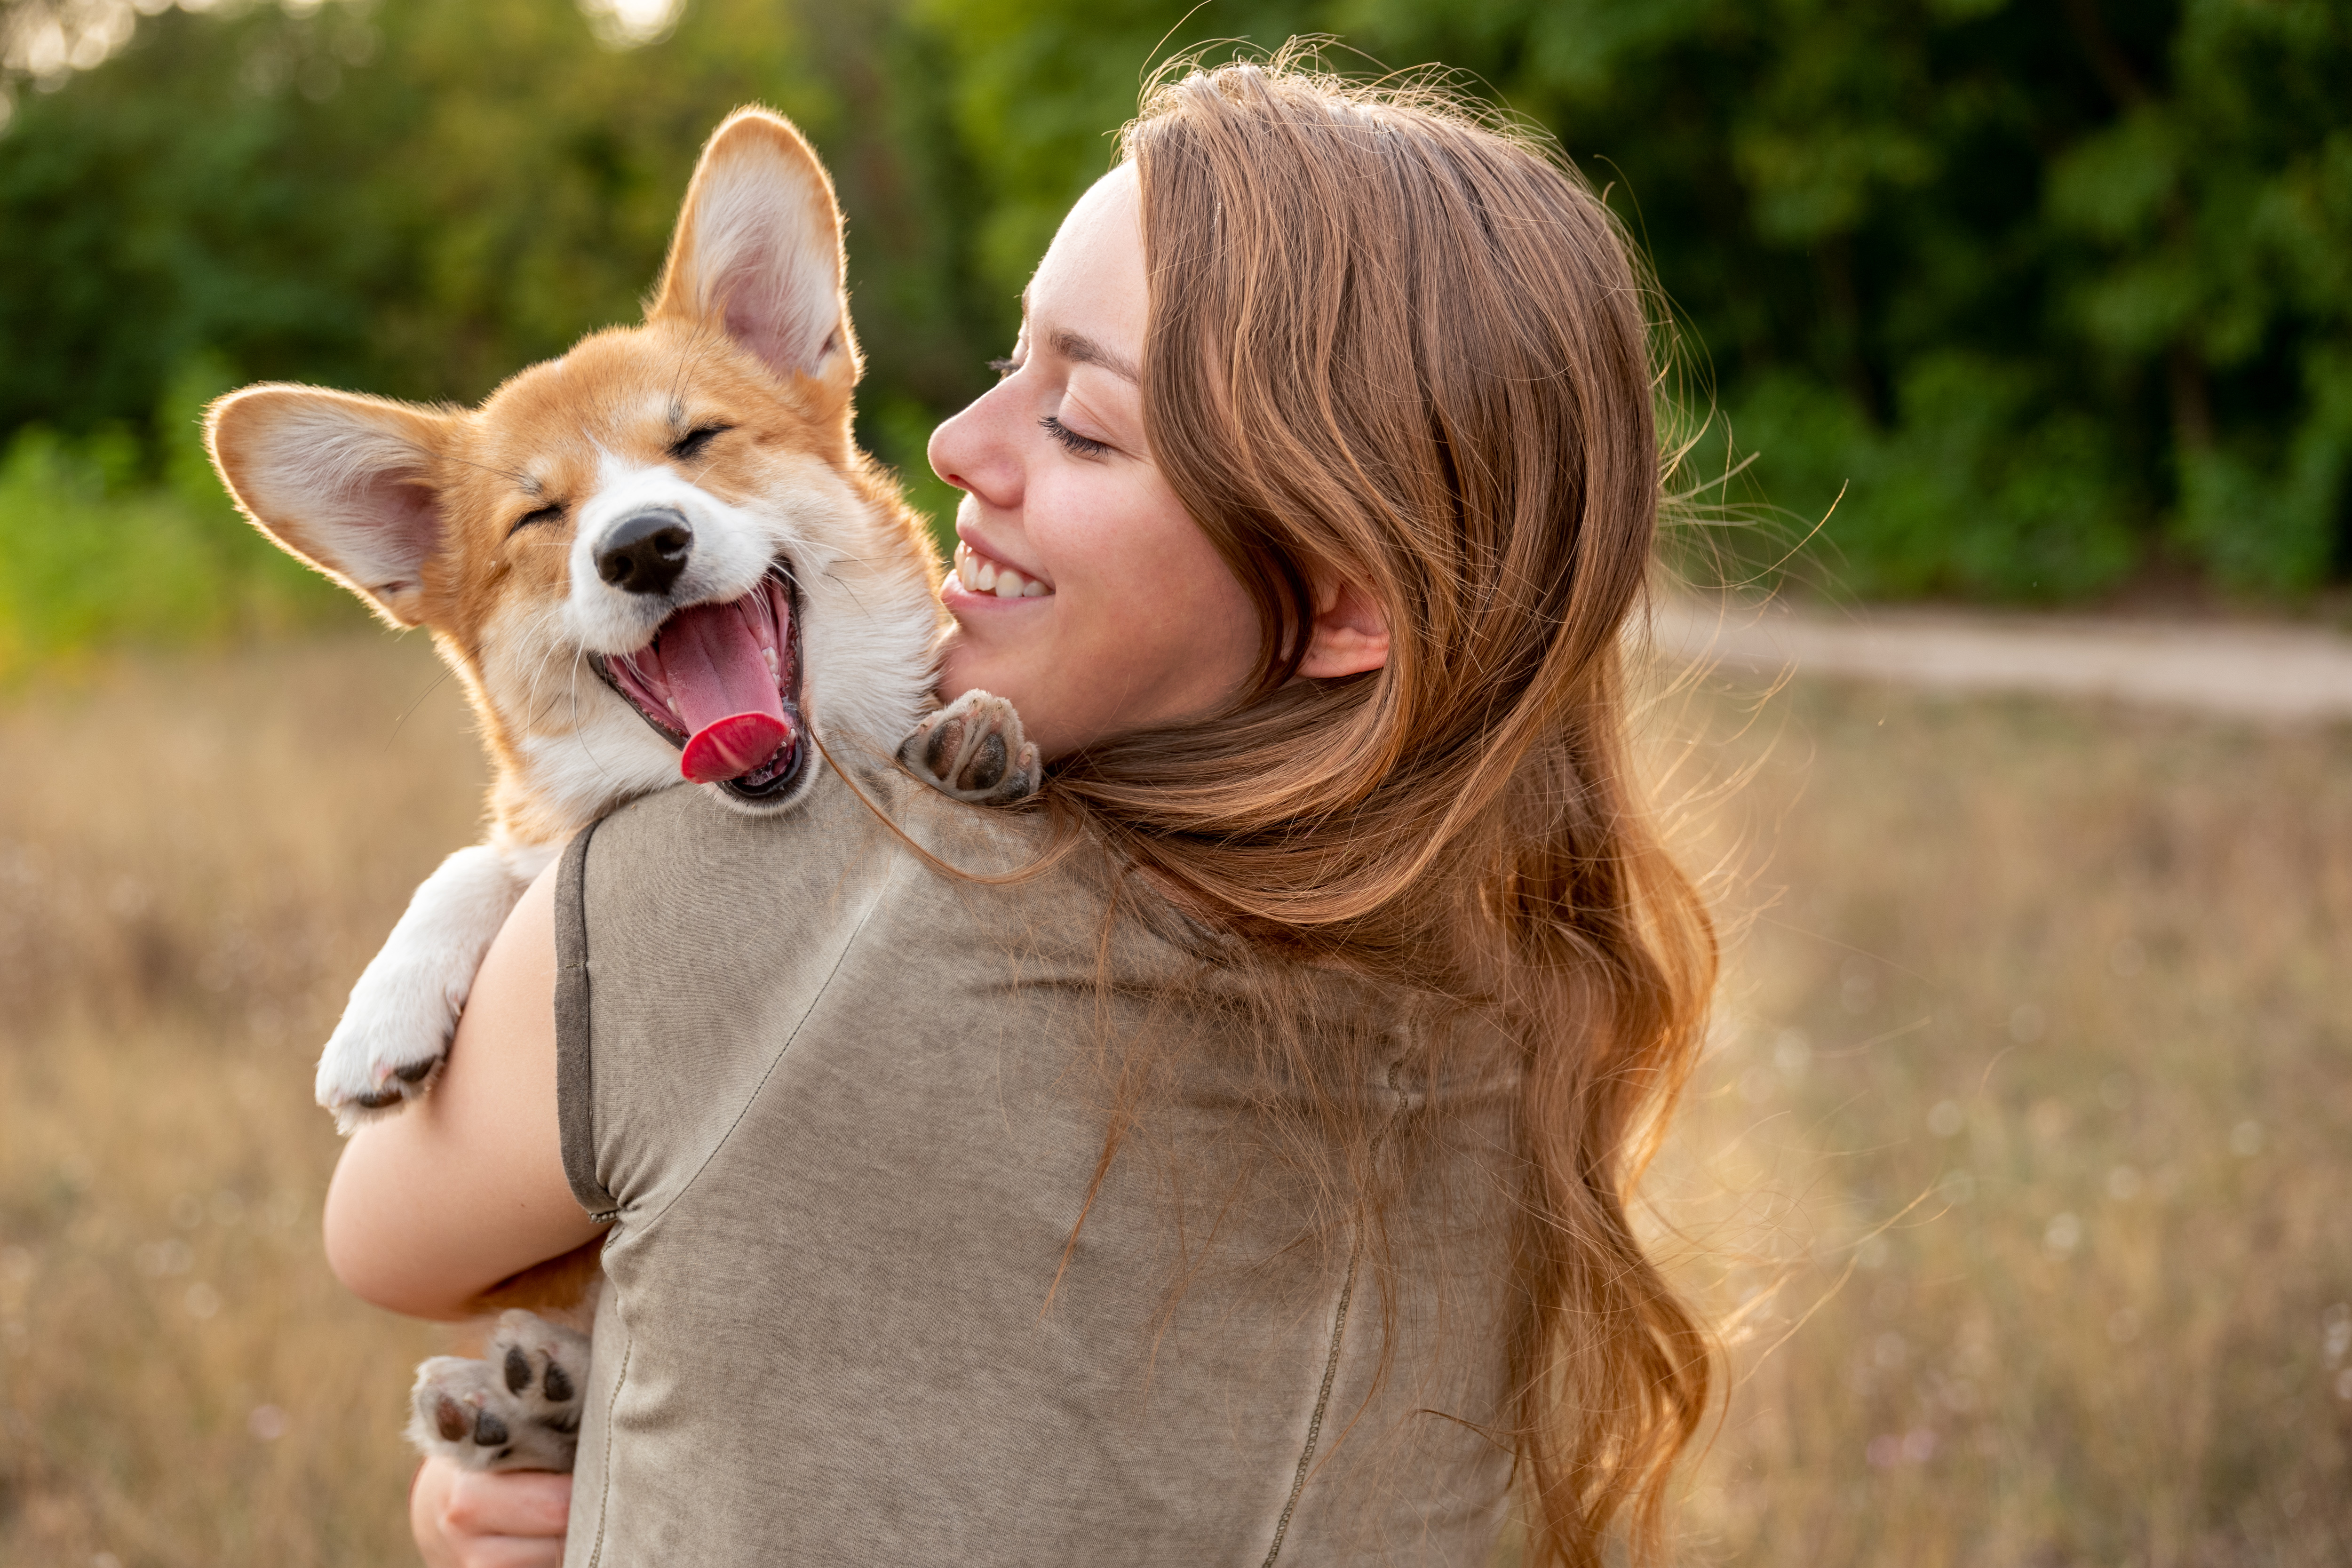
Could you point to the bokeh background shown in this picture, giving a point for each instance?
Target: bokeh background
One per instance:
(2020, 1171)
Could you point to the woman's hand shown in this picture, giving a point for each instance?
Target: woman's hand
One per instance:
(494, 1518)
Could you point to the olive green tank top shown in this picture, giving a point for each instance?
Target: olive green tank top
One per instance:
(846, 1111)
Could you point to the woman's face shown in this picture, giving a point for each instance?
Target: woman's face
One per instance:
(1083, 593)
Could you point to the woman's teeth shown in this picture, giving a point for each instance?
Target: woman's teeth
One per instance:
(987, 577)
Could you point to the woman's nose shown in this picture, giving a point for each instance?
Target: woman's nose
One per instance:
(970, 454)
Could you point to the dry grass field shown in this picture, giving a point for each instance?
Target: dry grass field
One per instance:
(2022, 1166)
(196, 857)
(2027, 1139)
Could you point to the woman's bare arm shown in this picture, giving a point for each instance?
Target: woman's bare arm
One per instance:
(433, 1207)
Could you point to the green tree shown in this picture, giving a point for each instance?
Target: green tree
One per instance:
(2047, 285)
(419, 198)
(2045, 290)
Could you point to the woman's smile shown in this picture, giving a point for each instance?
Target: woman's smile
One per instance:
(980, 574)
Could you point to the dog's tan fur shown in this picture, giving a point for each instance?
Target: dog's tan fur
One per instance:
(615, 391)
(543, 437)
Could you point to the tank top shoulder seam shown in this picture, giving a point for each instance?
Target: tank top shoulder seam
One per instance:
(575, 1097)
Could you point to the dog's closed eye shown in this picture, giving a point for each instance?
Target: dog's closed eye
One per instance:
(551, 512)
(690, 446)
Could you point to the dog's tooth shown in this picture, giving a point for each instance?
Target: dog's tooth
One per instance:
(1009, 583)
(671, 702)
(775, 671)
(986, 581)
(1035, 589)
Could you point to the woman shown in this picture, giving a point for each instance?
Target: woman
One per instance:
(1245, 1179)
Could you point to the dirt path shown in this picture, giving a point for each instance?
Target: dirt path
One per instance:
(2277, 673)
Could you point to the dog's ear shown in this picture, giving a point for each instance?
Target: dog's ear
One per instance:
(344, 482)
(757, 254)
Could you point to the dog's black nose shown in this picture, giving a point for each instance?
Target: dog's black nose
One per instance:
(645, 553)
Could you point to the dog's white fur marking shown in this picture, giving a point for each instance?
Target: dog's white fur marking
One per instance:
(729, 556)
(866, 626)
(397, 1026)
(581, 745)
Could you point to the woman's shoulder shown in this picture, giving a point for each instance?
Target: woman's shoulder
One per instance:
(849, 806)
(864, 830)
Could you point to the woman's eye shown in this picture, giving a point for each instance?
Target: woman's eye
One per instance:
(1003, 367)
(690, 446)
(1084, 446)
(551, 512)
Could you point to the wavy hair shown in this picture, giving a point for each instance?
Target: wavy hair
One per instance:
(1391, 340)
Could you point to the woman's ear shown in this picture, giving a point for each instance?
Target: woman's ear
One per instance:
(1349, 635)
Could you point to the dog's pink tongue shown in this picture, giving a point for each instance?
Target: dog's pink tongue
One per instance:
(734, 716)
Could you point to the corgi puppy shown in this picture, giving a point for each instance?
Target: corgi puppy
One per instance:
(659, 556)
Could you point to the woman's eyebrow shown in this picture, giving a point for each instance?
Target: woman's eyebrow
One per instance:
(1079, 349)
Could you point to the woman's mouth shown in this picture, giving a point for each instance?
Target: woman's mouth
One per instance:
(981, 574)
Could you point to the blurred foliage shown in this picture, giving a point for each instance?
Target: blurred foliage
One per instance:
(2050, 293)
(419, 198)
(2051, 288)
(110, 539)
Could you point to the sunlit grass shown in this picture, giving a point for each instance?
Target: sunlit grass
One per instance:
(2027, 1140)
(196, 857)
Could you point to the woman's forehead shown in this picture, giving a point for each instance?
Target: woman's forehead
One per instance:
(1090, 288)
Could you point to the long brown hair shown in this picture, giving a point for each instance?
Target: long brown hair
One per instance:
(1388, 338)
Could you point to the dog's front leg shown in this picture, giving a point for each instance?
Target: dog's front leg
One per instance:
(395, 1030)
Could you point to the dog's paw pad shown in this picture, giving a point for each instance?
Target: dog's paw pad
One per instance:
(461, 1421)
(459, 1413)
(378, 1060)
(355, 1109)
(973, 749)
(517, 1409)
(541, 1363)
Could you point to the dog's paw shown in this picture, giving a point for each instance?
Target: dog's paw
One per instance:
(396, 1028)
(519, 1409)
(382, 1055)
(973, 749)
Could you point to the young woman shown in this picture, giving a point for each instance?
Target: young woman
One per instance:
(1247, 1180)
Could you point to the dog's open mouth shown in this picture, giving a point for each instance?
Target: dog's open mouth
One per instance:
(722, 682)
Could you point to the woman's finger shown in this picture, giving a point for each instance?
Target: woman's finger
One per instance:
(532, 1503)
(464, 1519)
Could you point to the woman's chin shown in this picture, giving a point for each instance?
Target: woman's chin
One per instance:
(966, 667)
(992, 643)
